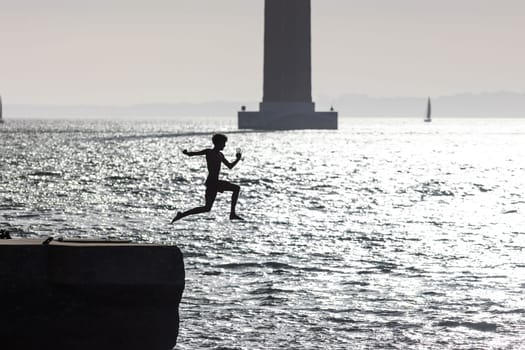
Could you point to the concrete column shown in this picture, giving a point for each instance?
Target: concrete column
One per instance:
(287, 89)
(287, 51)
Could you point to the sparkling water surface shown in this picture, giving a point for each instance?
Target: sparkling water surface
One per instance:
(385, 234)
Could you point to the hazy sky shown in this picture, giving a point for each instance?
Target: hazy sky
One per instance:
(142, 51)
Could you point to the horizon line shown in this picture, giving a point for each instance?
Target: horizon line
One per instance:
(319, 97)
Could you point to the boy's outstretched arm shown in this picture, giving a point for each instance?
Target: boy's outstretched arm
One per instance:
(191, 154)
(230, 165)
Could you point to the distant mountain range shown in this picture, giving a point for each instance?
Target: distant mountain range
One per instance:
(503, 104)
(493, 105)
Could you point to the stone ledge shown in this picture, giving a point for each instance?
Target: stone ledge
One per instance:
(89, 295)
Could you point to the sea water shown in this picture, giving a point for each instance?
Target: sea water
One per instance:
(384, 234)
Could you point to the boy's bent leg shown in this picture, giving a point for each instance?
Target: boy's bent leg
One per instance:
(235, 189)
(235, 197)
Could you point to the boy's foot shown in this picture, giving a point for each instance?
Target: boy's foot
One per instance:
(235, 217)
(177, 217)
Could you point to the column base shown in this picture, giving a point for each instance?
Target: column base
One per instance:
(287, 116)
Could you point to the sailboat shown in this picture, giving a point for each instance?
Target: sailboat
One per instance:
(1, 119)
(429, 112)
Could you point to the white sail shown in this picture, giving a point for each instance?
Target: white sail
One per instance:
(429, 111)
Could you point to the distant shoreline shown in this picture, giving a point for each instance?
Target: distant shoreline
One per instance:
(486, 105)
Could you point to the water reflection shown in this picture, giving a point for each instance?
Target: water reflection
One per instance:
(385, 233)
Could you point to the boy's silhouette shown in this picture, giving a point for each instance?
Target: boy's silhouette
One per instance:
(214, 158)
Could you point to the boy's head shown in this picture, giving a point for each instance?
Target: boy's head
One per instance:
(219, 140)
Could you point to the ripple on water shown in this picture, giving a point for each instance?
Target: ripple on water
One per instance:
(394, 234)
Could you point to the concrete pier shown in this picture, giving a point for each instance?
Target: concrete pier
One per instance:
(287, 87)
(80, 296)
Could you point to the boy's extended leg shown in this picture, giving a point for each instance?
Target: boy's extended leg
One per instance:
(210, 198)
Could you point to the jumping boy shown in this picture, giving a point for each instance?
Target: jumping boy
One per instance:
(214, 158)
